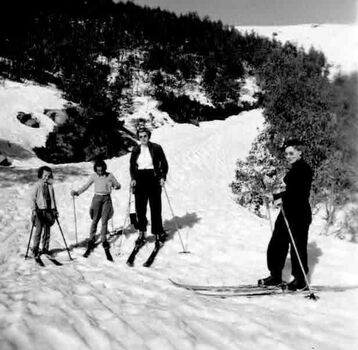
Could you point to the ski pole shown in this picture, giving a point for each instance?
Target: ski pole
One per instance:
(75, 217)
(63, 236)
(28, 244)
(311, 295)
(125, 221)
(175, 222)
(269, 214)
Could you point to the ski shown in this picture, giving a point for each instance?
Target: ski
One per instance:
(221, 288)
(54, 260)
(137, 247)
(39, 261)
(253, 293)
(115, 232)
(108, 255)
(253, 289)
(154, 253)
(90, 249)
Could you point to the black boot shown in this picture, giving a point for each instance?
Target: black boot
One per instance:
(90, 248)
(37, 257)
(297, 284)
(141, 238)
(106, 250)
(272, 280)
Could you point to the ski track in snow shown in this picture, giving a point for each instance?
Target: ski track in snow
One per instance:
(94, 304)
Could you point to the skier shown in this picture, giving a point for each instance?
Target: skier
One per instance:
(101, 206)
(44, 211)
(297, 210)
(148, 170)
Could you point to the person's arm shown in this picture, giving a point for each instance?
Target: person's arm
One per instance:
(54, 200)
(164, 163)
(33, 205)
(115, 184)
(83, 188)
(33, 197)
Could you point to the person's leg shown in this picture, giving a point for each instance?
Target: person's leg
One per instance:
(300, 234)
(107, 213)
(37, 234)
(155, 202)
(141, 201)
(95, 213)
(277, 249)
(46, 239)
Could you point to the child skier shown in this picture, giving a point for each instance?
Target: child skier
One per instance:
(44, 211)
(101, 206)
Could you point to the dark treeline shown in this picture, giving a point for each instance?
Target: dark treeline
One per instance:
(73, 44)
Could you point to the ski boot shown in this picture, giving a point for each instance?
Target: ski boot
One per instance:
(297, 284)
(90, 248)
(106, 250)
(272, 280)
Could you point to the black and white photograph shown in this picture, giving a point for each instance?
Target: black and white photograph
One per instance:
(179, 175)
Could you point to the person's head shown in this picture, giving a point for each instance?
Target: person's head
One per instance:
(293, 150)
(100, 167)
(45, 173)
(143, 135)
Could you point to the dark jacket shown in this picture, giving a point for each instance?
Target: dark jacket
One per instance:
(160, 163)
(295, 198)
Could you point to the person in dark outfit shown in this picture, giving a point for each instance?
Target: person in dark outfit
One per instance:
(296, 207)
(148, 170)
(44, 211)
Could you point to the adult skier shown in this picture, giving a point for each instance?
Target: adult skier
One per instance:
(148, 170)
(296, 208)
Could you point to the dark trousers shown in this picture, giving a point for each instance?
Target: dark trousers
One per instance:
(279, 245)
(43, 221)
(101, 209)
(148, 189)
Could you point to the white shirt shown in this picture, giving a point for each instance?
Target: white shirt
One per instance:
(144, 160)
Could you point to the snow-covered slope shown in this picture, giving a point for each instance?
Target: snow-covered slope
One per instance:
(94, 304)
(339, 42)
(27, 98)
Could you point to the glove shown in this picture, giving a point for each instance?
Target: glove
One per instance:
(55, 213)
(33, 216)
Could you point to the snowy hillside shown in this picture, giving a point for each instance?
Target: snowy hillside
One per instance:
(95, 304)
(338, 42)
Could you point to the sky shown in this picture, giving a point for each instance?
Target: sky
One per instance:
(264, 12)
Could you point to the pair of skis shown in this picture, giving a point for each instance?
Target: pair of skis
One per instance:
(52, 259)
(138, 246)
(253, 290)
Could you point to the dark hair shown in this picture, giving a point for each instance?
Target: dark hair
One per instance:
(144, 129)
(298, 144)
(41, 170)
(100, 163)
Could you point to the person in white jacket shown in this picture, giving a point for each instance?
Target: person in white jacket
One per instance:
(44, 210)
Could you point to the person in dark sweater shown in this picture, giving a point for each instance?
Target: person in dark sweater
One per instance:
(148, 170)
(296, 207)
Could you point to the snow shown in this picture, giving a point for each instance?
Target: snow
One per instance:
(95, 304)
(28, 98)
(339, 42)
